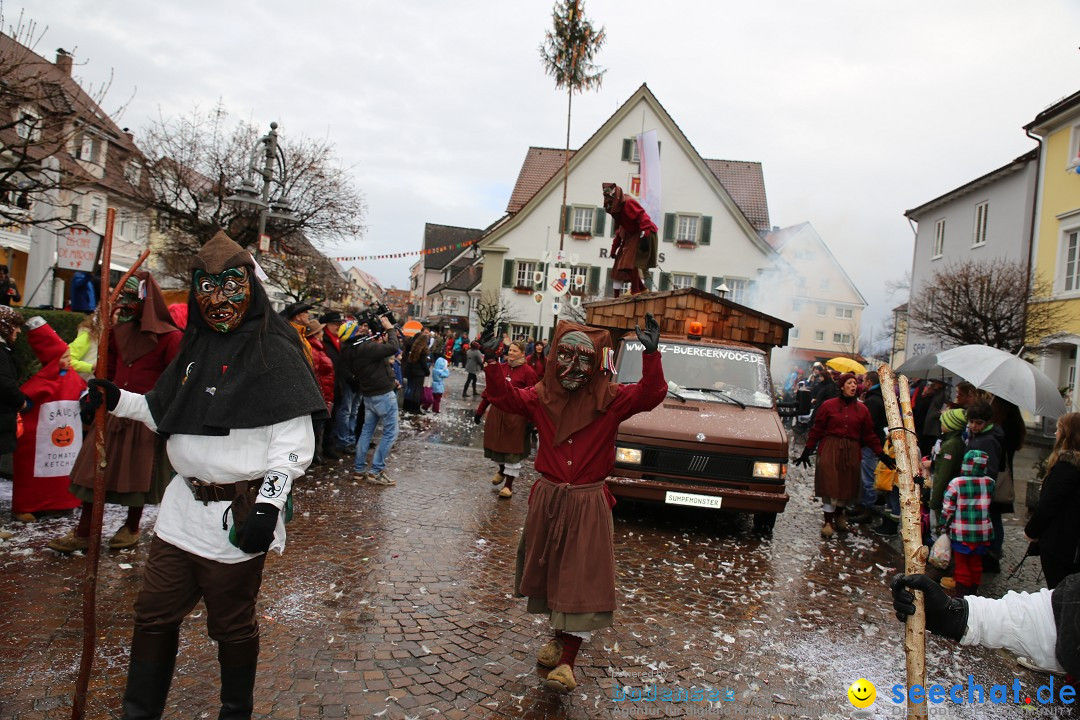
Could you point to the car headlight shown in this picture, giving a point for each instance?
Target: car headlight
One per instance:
(631, 456)
(767, 470)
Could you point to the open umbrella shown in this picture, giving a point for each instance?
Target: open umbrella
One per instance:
(922, 366)
(1006, 376)
(844, 364)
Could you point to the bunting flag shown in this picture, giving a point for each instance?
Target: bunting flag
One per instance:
(412, 253)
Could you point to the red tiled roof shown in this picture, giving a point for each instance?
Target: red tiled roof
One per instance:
(745, 183)
(779, 238)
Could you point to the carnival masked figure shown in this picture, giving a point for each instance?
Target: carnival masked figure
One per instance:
(634, 246)
(142, 344)
(566, 557)
(236, 408)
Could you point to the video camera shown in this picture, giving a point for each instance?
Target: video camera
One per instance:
(372, 317)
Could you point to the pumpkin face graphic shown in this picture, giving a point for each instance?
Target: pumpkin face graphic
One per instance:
(63, 436)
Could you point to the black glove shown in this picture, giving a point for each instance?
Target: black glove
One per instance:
(89, 403)
(804, 459)
(887, 461)
(643, 244)
(476, 418)
(945, 616)
(258, 533)
(489, 342)
(650, 337)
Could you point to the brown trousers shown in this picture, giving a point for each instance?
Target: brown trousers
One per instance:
(175, 580)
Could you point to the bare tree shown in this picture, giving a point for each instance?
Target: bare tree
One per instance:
(493, 308)
(303, 273)
(44, 116)
(199, 160)
(985, 303)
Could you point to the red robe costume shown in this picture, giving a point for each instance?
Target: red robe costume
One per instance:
(52, 431)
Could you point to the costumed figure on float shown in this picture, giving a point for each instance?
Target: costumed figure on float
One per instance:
(566, 557)
(52, 431)
(634, 246)
(236, 407)
(143, 342)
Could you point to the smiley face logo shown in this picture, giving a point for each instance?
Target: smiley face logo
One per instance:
(862, 693)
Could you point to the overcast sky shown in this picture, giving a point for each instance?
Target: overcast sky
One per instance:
(857, 110)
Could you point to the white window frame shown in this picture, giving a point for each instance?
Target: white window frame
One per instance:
(96, 216)
(845, 313)
(1070, 281)
(522, 330)
(819, 336)
(133, 172)
(822, 309)
(30, 131)
(635, 153)
(794, 334)
(524, 269)
(579, 271)
(681, 280)
(841, 338)
(579, 228)
(1074, 148)
(687, 228)
(738, 288)
(982, 212)
(939, 239)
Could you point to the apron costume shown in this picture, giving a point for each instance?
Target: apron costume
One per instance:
(506, 435)
(634, 246)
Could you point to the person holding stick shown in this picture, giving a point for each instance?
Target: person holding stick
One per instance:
(842, 426)
(236, 406)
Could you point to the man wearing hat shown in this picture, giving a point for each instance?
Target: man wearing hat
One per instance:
(236, 407)
(297, 315)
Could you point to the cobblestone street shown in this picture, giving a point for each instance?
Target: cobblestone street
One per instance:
(396, 603)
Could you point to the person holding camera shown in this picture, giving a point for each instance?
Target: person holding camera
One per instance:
(368, 361)
(237, 442)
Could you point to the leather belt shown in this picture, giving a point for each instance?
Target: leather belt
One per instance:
(208, 492)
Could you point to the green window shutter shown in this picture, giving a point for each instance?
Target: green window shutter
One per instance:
(665, 281)
(658, 146)
(607, 283)
(508, 273)
(706, 229)
(626, 150)
(669, 227)
(614, 225)
(699, 281)
(568, 217)
(594, 280)
(598, 222)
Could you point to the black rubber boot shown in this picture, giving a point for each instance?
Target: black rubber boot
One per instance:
(153, 657)
(239, 661)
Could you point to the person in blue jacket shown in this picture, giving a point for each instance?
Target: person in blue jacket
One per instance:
(439, 373)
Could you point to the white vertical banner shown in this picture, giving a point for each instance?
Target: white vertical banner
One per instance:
(649, 154)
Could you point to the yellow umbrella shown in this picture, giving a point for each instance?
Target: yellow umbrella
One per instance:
(844, 364)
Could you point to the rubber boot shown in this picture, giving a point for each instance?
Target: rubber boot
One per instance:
(239, 661)
(887, 527)
(153, 657)
(827, 530)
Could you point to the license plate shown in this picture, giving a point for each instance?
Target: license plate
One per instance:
(706, 501)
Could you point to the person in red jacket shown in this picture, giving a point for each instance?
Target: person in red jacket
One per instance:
(324, 374)
(842, 426)
(634, 247)
(143, 343)
(506, 435)
(566, 557)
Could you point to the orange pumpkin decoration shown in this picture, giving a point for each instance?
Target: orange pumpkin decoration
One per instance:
(63, 436)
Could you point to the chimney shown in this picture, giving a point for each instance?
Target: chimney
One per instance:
(130, 135)
(63, 61)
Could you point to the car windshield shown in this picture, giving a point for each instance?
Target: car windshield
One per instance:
(706, 373)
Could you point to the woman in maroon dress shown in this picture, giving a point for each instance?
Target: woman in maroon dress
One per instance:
(506, 435)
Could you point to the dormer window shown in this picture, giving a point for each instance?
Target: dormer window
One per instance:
(89, 148)
(133, 172)
(27, 124)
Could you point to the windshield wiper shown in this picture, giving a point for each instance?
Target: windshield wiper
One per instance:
(672, 392)
(720, 394)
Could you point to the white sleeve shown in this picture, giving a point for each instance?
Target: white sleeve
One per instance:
(292, 446)
(1020, 622)
(133, 405)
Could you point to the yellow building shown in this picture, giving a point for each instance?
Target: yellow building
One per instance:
(1056, 237)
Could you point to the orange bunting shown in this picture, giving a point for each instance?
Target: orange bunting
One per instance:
(394, 256)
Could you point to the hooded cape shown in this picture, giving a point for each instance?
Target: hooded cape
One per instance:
(138, 337)
(571, 411)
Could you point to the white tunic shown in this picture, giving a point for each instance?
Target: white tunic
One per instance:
(280, 452)
(1020, 622)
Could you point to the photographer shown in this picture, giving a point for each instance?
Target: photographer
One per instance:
(368, 361)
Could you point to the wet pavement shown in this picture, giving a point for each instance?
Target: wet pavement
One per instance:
(396, 603)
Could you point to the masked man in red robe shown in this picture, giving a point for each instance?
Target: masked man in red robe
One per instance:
(634, 247)
(566, 558)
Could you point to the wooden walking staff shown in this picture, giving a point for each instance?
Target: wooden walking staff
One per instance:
(93, 553)
(901, 432)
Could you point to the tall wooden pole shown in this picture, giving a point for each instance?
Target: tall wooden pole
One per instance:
(93, 554)
(902, 434)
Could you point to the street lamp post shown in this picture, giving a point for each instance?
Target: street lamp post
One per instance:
(249, 195)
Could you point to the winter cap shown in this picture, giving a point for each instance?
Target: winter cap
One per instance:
(9, 320)
(348, 330)
(954, 419)
(44, 341)
(844, 378)
(974, 464)
(220, 254)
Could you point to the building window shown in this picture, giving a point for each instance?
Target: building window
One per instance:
(1074, 149)
(579, 271)
(525, 272)
(939, 238)
(520, 332)
(796, 306)
(738, 288)
(822, 309)
(583, 220)
(27, 124)
(1072, 261)
(982, 210)
(680, 280)
(97, 212)
(845, 313)
(819, 336)
(686, 229)
(841, 338)
(794, 334)
(132, 172)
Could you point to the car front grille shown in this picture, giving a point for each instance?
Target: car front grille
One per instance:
(703, 465)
